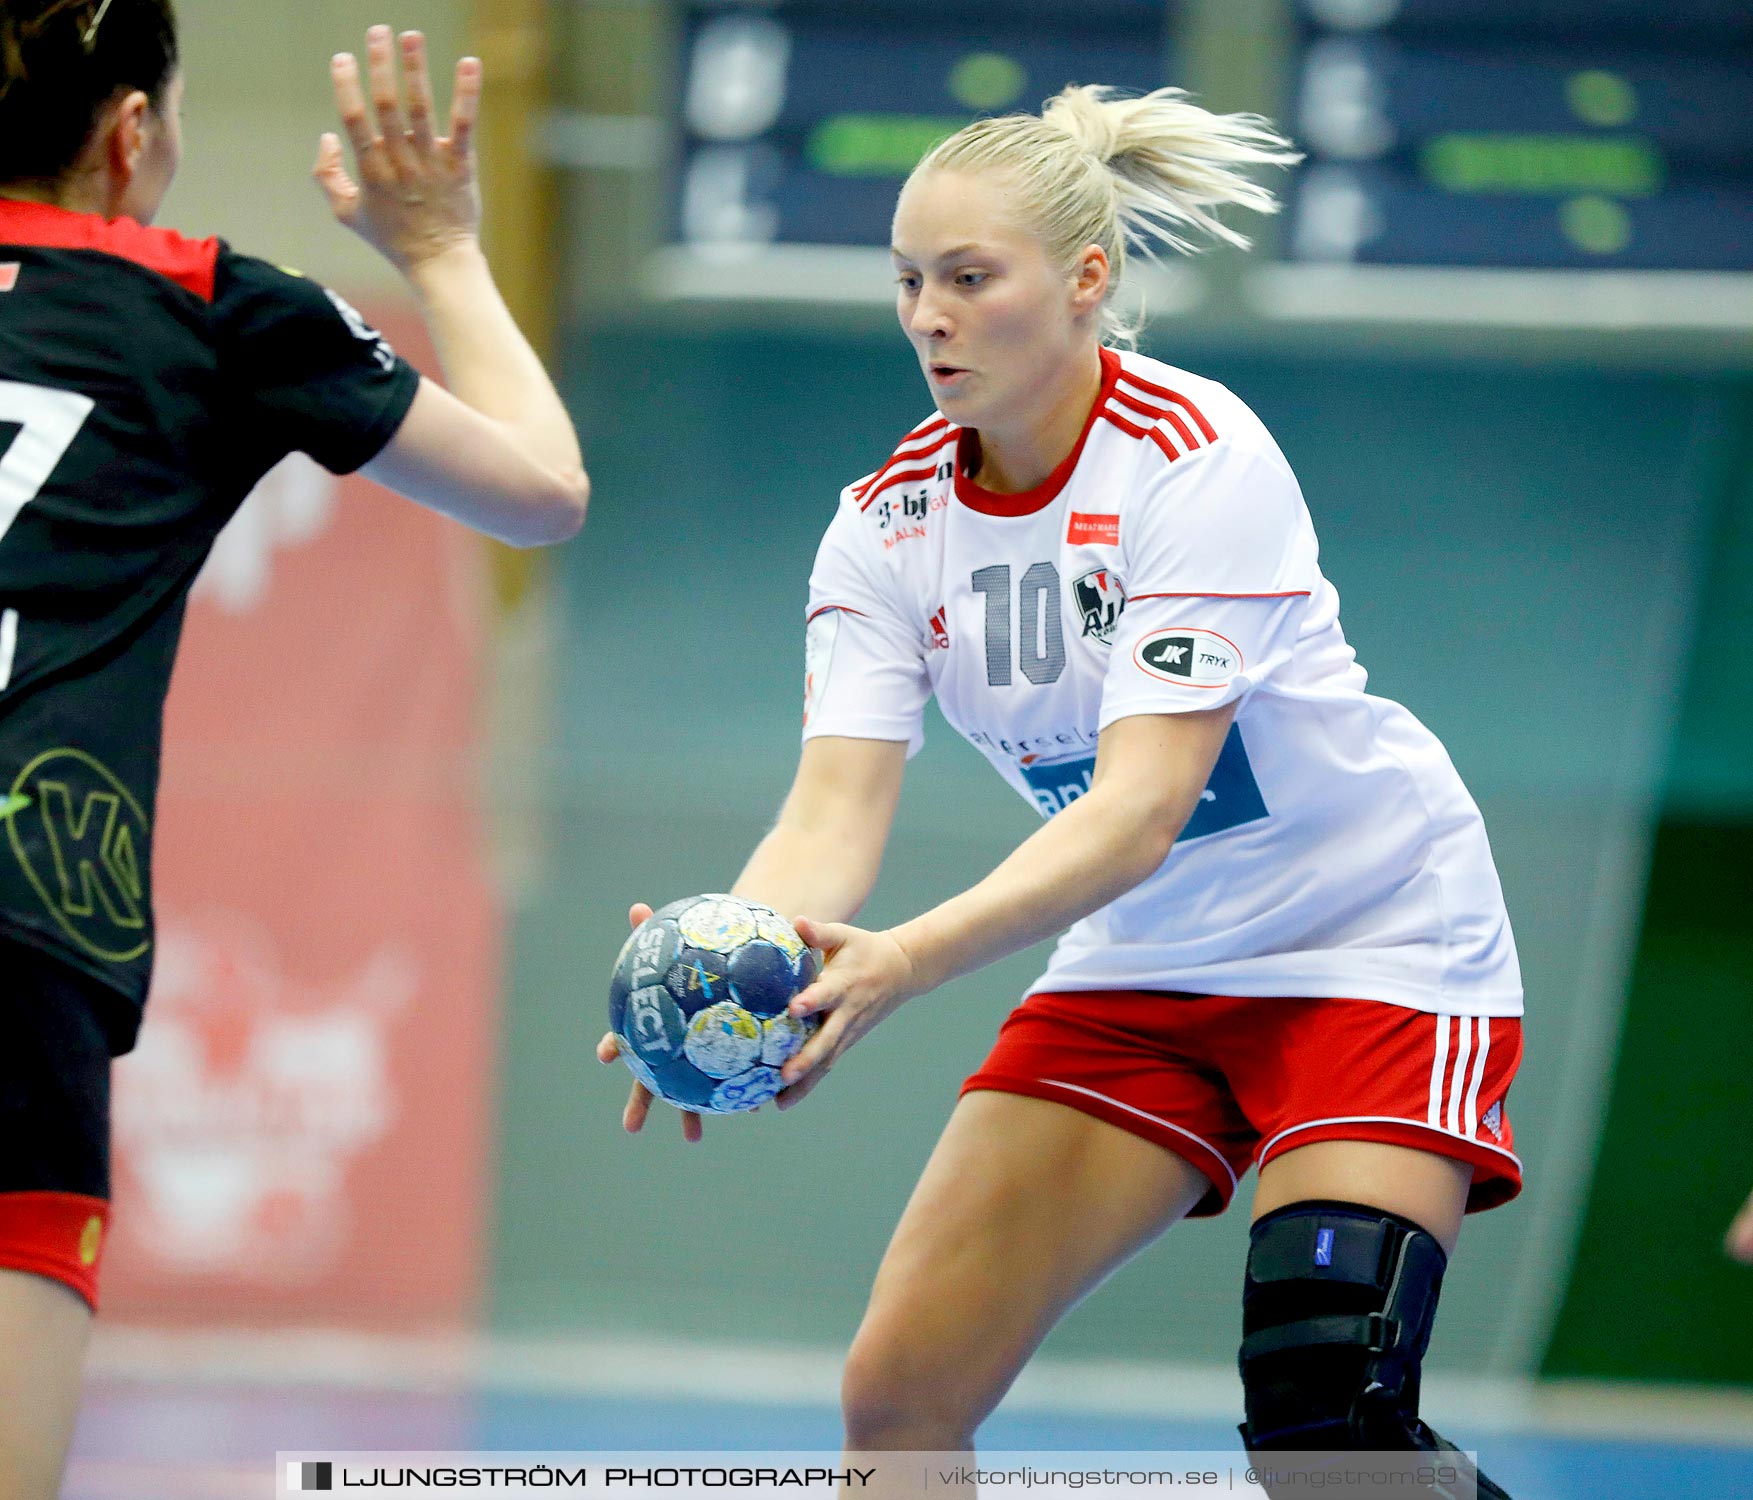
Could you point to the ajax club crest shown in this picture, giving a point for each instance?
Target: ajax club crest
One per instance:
(1099, 600)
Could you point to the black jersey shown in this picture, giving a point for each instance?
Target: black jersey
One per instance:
(147, 382)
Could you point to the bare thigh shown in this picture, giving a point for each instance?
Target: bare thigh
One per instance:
(1024, 1207)
(1428, 1189)
(43, 1332)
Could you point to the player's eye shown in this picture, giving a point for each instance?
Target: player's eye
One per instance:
(909, 281)
(970, 278)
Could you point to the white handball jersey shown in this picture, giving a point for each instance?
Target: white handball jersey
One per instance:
(1168, 565)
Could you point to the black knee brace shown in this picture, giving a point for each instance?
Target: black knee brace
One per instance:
(1337, 1309)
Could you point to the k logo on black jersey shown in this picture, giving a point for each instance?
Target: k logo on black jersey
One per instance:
(82, 838)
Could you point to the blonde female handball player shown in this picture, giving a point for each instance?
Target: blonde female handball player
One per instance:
(122, 454)
(1283, 936)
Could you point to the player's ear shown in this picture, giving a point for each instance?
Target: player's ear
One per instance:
(125, 136)
(1089, 286)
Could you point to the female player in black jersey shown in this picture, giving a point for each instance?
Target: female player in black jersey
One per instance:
(147, 381)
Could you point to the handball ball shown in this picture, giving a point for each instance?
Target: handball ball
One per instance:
(698, 1002)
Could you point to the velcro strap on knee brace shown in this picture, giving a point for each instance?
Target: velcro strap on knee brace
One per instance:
(1321, 1242)
(1340, 1276)
(1366, 1331)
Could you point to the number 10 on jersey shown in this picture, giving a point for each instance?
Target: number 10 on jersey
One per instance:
(1040, 648)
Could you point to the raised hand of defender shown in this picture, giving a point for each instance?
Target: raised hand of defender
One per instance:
(639, 1101)
(415, 194)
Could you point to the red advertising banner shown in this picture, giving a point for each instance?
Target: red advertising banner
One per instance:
(302, 1133)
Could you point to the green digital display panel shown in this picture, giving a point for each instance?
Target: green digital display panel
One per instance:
(799, 121)
(1563, 133)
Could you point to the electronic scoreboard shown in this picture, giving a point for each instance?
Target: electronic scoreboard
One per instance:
(1539, 134)
(800, 120)
(1534, 133)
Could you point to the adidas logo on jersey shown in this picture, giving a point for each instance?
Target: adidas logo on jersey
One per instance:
(940, 631)
(1492, 1120)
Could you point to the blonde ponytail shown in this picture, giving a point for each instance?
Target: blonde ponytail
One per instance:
(1105, 168)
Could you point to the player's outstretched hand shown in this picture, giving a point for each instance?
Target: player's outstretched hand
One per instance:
(1738, 1243)
(865, 976)
(415, 194)
(639, 1101)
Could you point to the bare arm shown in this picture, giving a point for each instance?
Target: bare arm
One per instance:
(498, 451)
(1150, 770)
(826, 848)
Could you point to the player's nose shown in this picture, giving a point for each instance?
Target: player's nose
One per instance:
(929, 319)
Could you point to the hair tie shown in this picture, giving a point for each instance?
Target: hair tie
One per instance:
(89, 38)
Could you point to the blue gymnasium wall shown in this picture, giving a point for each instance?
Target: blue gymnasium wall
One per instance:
(1518, 552)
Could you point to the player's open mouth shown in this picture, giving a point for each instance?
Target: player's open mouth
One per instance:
(947, 374)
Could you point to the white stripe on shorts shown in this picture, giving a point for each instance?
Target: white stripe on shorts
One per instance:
(1458, 1078)
(1438, 1067)
(1262, 1151)
(1470, 1114)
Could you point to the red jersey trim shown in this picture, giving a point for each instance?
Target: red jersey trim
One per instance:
(1163, 393)
(189, 263)
(1156, 414)
(1154, 434)
(882, 479)
(828, 609)
(1162, 440)
(903, 476)
(1027, 502)
(926, 434)
(1131, 429)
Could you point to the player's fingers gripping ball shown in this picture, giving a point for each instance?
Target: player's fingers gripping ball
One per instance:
(698, 1002)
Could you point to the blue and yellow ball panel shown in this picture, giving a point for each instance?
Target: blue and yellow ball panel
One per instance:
(698, 978)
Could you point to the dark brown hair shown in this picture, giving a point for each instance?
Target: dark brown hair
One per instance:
(61, 61)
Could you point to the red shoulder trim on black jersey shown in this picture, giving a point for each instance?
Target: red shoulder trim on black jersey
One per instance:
(189, 263)
(922, 443)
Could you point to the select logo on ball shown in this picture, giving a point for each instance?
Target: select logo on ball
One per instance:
(1189, 656)
(648, 1020)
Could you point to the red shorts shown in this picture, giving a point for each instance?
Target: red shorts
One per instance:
(1223, 1081)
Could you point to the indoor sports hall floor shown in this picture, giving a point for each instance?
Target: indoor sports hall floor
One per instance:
(201, 1419)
